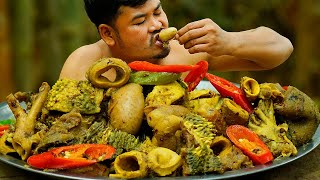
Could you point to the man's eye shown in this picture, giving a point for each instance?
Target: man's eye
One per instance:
(157, 13)
(138, 23)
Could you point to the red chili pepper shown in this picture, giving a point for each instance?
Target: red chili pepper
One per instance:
(250, 144)
(196, 75)
(73, 156)
(3, 128)
(147, 66)
(228, 89)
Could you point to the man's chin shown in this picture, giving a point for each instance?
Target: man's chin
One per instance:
(164, 53)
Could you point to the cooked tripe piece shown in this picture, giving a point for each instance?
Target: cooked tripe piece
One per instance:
(167, 34)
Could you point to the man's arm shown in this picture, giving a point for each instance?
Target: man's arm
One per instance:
(257, 49)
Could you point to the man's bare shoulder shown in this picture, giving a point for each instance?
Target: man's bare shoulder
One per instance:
(90, 51)
(80, 60)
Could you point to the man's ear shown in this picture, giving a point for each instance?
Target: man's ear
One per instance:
(107, 34)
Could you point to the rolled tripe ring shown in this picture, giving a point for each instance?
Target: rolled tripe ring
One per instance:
(163, 161)
(132, 164)
(94, 73)
(251, 88)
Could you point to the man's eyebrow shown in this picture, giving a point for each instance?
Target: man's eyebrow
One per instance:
(137, 16)
(143, 14)
(158, 6)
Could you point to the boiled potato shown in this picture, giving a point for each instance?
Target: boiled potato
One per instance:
(125, 108)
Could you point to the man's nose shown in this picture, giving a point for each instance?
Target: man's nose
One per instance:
(156, 25)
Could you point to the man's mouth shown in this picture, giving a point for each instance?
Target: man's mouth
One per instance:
(157, 41)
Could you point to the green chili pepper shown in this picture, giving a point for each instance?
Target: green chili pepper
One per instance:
(153, 78)
(7, 121)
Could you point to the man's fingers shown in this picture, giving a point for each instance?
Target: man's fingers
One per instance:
(190, 35)
(194, 42)
(198, 48)
(189, 27)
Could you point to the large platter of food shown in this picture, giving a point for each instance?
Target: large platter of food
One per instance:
(149, 122)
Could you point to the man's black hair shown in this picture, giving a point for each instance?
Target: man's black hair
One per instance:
(106, 11)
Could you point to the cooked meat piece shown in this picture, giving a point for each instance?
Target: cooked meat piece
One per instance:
(167, 94)
(301, 114)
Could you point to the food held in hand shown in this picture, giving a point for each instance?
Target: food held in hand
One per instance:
(167, 34)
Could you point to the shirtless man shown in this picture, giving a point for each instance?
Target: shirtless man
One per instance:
(129, 31)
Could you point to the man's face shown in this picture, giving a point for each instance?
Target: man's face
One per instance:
(138, 30)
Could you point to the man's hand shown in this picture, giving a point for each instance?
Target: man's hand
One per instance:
(205, 36)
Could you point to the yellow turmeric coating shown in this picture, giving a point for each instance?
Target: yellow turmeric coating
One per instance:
(67, 94)
(132, 164)
(222, 144)
(24, 135)
(163, 161)
(251, 88)
(165, 94)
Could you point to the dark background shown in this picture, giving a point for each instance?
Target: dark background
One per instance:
(36, 37)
